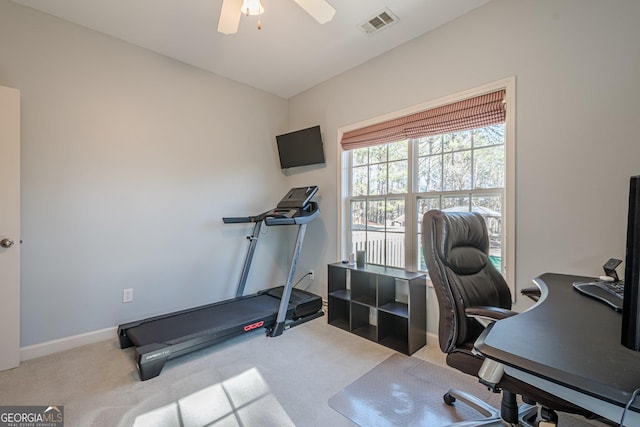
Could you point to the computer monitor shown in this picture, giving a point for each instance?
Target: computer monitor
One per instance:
(631, 303)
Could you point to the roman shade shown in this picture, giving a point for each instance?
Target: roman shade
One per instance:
(480, 111)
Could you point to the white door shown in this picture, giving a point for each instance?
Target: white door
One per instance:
(9, 228)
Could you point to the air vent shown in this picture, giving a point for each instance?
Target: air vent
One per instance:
(379, 21)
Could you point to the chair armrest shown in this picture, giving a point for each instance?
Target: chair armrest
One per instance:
(532, 292)
(487, 314)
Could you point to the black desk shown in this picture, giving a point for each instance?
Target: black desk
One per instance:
(569, 344)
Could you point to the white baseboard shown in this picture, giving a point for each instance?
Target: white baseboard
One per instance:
(432, 339)
(56, 346)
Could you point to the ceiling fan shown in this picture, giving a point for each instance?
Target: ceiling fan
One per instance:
(231, 11)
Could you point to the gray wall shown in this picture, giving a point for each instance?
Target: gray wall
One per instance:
(577, 65)
(130, 159)
(129, 162)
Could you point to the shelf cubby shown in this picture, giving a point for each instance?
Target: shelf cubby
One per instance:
(339, 315)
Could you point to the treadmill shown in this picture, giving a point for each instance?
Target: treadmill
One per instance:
(158, 339)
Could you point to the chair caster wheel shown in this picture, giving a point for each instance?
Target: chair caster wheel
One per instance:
(448, 399)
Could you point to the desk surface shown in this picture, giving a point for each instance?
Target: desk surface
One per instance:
(568, 340)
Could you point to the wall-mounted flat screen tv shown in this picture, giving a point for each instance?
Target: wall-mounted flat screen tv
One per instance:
(300, 148)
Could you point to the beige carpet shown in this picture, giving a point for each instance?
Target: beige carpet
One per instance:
(248, 381)
(251, 380)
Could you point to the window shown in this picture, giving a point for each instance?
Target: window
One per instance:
(463, 171)
(379, 182)
(388, 186)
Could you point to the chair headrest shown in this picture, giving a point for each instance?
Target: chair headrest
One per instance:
(463, 243)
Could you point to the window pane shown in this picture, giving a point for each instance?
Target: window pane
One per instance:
(424, 206)
(457, 141)
(375, 231)
(395, 215)
(376, 215)
(395, 250)
(358, 224)
(398, 177)
(455, 204)
(375, 247)
(360, 156)
(398, 150)
(490, 207)
(395, 233)
(378, 179)
(457, 171)
(430, 145)
(490, 135)
(430, 174)
(378, 153)
(488, 168)
(359, 178)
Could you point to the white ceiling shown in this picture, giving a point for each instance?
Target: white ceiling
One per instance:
(290, 54)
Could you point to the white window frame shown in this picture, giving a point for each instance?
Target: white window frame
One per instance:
(509, 211)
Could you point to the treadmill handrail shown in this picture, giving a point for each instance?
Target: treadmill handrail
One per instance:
(239, 219)
(236, 219)
(276, 216)
(302, 217)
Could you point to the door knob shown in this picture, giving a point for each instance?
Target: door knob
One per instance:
(6, 243)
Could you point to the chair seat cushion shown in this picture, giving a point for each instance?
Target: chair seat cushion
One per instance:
(462, 359)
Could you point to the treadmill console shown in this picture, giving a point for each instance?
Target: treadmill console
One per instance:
(298, 197)
(295, 207)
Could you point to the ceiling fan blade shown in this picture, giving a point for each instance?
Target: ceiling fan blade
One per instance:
(230, 16)
(320, 10)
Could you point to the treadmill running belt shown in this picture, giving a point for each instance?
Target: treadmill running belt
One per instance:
(209, 320)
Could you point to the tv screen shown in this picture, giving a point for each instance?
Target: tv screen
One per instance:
(300, 148)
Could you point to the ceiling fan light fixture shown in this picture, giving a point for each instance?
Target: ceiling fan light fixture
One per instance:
(252, 7)
(232, 11)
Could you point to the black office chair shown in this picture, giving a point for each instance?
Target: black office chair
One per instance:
(471, 293)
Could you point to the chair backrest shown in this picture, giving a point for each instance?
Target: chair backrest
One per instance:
(456, 251)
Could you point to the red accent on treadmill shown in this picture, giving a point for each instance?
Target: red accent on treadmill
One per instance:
(253, 326)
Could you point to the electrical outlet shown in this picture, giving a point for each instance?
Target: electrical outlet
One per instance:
(311, 275)
(127, 295)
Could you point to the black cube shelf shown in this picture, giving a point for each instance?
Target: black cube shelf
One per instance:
(382, 304)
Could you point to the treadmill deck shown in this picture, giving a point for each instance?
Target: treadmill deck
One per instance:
(204, 321)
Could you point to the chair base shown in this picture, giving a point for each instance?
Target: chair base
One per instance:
(527, 414)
